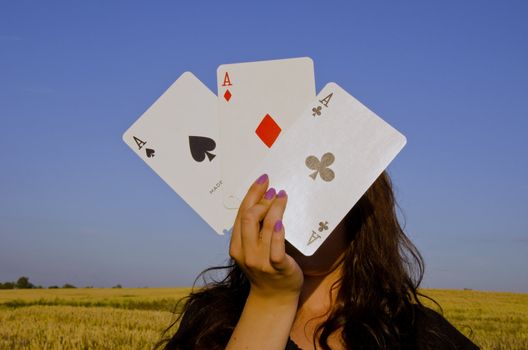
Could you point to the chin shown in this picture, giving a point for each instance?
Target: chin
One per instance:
(320, 263)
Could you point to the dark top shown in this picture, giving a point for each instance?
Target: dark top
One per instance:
(427, 319)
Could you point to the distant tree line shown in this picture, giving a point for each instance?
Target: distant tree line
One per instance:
(23, 283)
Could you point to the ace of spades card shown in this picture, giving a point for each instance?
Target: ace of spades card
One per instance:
(326, 161)
(178, 138)
(257, 102)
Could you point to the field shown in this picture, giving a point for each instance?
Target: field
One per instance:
(134, 318)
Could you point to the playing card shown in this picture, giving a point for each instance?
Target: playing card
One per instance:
(178, 138)
(257, 102)
(325, 162)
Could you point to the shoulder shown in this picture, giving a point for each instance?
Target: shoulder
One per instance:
(433, 331)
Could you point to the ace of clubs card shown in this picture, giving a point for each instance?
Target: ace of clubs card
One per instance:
(325, 162)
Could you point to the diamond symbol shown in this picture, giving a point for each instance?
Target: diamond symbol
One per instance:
(268, 130)
(227, 95)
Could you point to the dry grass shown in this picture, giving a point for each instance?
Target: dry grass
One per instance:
(492, 320)
(122, 298)
(135, 318)
(70, 327)
(86, 318)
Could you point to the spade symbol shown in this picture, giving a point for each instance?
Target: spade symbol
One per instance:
(150, 152)
(201, 146)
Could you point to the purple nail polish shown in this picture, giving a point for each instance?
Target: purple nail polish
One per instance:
(278, 226)
(270, 193)
(262, 179)
(281, 194)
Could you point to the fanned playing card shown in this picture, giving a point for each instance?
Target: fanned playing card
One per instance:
(257, 102)
(178, 138)
(326, 161)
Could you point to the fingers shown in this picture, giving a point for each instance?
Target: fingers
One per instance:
(253, 195)
(273, 224)
(250, 222)
(256, 245)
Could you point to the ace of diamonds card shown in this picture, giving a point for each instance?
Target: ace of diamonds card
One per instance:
(257, 102)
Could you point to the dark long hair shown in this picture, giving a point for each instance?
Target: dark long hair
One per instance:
(375, 303)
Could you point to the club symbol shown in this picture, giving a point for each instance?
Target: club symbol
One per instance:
(323, 226)
(150, 152)
(321, 167)
(316, 111)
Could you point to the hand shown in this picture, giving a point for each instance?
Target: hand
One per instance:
(260, 249)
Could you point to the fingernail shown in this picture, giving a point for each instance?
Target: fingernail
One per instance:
(281, 194)
(270, 193)
(278, 226)
(262, 179)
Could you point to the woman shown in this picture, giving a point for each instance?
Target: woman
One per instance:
(358, 291)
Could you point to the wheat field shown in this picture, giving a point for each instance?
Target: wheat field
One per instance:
(134, 318)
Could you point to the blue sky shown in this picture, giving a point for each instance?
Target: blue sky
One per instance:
(78, 206)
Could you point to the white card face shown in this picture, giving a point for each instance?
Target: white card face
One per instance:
(325, 162)
(178, 138)
(257, 102)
